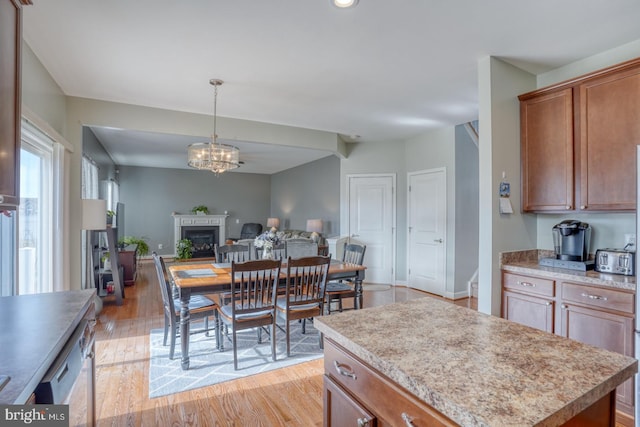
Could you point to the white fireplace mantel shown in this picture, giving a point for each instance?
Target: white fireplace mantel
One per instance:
(200, 221)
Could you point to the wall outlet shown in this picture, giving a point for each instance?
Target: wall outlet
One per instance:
(630, 239)
(237, 220)
(160, 245)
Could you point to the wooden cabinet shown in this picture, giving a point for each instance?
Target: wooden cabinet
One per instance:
(578, 142)
(10, 46)
(529, 301)
(128, 260)
(546, 144)
(356, 395)
(602, 318)
(609, 134)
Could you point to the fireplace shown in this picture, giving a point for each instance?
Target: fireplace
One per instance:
(204, 231)
(202, 238)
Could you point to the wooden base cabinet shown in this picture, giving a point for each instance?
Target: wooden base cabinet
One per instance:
(604, 319)
(599, 316)
(357, 395)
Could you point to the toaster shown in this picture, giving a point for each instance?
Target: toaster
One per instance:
(616, 261)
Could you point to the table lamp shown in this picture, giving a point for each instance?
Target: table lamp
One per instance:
(273, 223)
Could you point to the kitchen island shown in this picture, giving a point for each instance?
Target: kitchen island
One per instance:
(430, 362)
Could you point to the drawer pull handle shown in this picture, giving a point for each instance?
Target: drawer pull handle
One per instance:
(598, 297)
(527, 284)
(344, 372)
(407, 420)
(363, 422)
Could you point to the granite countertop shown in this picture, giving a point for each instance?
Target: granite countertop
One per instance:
(526, 262)
(476, 369)
(34, 330)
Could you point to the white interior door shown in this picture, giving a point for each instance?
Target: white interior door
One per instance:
(427, 230)
(371, 204)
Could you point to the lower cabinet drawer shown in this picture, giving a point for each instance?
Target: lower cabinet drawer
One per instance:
(528, 284)
(391, 405)
(608, 299)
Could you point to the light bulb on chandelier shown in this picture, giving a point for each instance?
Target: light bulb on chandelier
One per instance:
(213, 156)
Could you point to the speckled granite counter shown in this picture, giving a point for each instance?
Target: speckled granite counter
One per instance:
(476, 369)
(526, 262)
(34, 330)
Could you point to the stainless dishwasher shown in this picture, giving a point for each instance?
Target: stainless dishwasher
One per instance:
(70, 379)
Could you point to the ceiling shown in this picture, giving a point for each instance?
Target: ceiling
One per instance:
(382, 71)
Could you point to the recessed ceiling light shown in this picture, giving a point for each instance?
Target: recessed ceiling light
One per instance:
(343, 4)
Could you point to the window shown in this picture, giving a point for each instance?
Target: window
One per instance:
(35, 214)
(33, 256)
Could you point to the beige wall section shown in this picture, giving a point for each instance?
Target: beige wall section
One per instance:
(40, 93)
(436, 149)
(499, 150)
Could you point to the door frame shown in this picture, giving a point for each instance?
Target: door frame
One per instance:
(447, 293)
(394, 236)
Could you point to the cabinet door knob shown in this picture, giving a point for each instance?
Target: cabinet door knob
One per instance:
(568, 207)
(564, 306)
(363, 422)
(548, 303)
(407, 420)
(583, 207)
(344, 370)
(591, 296)
(1, 198)
(527, 284)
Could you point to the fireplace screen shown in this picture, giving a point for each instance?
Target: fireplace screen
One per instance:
(203, 240)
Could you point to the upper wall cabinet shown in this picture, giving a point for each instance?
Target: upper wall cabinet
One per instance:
(10, 42)
(578, 142)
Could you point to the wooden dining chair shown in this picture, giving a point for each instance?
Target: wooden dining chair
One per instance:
(231, 253)
(200, 307)
(254, 285)
(279, 251)
(304, 296)
(335, 291)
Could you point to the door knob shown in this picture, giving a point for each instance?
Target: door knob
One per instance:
(437, 240)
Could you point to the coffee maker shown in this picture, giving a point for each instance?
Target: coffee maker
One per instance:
(571, 242)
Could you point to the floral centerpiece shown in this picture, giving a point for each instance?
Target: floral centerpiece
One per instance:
(267, 241)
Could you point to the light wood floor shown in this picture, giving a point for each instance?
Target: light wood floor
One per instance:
(286, 397)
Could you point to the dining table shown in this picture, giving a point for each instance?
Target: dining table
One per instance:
(207, 277)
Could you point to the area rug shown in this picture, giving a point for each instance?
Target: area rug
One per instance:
(209, 366)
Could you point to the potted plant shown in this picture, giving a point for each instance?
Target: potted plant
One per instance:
(110, 215)
(184, 249)
(143, 247)
(200, 210)
(106, 261)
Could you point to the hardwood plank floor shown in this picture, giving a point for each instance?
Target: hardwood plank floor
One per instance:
(286, 397)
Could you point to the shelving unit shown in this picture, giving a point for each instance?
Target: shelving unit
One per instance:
(102, 276)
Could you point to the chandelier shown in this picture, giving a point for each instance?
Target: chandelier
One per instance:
(213, 156)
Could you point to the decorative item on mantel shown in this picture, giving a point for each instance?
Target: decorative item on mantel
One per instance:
(267, 241)
(200, 210)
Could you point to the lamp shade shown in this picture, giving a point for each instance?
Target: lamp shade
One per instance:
(273, 222)
(94, 214)
(314, 225)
